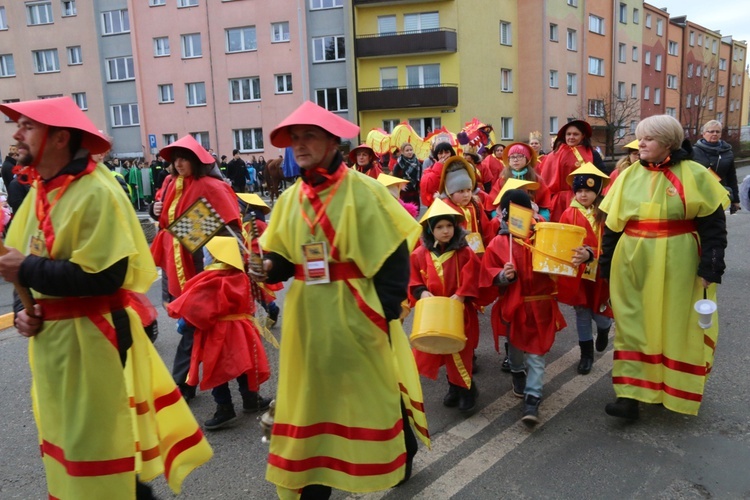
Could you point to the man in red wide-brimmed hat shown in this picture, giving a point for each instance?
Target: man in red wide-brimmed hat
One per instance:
(348, 391)
(106, 408)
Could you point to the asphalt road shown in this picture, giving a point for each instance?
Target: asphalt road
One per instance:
(575, 452)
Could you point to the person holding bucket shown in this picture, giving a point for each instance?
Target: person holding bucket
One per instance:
(445, 266)
(662, 250)
(588, 296)
(526, 312)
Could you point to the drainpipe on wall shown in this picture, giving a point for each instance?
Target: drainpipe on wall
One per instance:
(211, 72)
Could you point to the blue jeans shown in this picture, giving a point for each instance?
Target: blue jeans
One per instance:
(584, 316)
(534, 364)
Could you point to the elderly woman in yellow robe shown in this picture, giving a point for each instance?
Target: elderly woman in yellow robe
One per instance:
(664, 243)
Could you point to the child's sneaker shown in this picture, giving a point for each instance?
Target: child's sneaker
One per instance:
(451, 398)
(531, 410)
(518, 383)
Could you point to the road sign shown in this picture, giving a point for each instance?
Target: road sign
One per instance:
(152, 140)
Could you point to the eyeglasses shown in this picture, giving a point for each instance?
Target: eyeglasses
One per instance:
(713, 131)
(516, 157)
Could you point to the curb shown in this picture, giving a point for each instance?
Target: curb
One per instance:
(6, 320)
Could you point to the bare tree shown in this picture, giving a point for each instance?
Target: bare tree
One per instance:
(612, 114)
(698, 98)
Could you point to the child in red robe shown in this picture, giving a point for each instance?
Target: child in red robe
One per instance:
(526, 312)
(218, 304)
(589, 298)
(445, 266)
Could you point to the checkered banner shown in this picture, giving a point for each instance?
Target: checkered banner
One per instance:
(198, 224)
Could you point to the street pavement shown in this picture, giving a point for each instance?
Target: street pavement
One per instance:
(575, 452)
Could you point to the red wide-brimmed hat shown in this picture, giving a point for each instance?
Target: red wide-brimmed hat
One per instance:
(60, 112)
(187, 142)
(579, 124)
(310, 113)
(365, 147)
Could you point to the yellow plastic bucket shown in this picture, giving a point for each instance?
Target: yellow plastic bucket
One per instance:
(438, 326)
(553, 248)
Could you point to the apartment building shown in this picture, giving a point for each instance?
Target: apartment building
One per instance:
(658, 35)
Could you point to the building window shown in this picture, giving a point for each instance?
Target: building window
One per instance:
(573, 3)
(244, 89)
(633, 91)
(426, 75)
(202, 139)
(506, 128)
(690, 70)
(421, 22)
(636, 16)
(659, 27)
(647, 58)
(657, 62)
(646, 93)
(722, 91)
(156, 3)
(424, 126)
(191, 45)
(554, 80)
(80, 100)
(334, 99)
(284, 84)
(623, 13)
(714, 46)
(705, 71)
(672, 48)
(553, 125)
(731, 105)
(621, 91)
(280, 32)
(325, 4)
(506, 35)
(572, 39)
(196, 93)
(713, 75)
(596, 66)
(596, 24)
(120, 68)
(553, 33)
(710, 104)
(38, 13)
(115, 21)
(161, 46)
(390, 124)
(700, 39)
(671, 81)
(720, 117)
(7, 65)
(248, 140)
(46, 61)
(168, 139)
(633, 126)
(329, 48)
(69, 8)
(698, 70)
(648, 21)
(596, 107)
(386, 25)
(186, 3)
(124, 115)
(389, 77)
(722, 64)
(689, 101)
(692, 38)
(572, 84)
(506, 80)
(74, 55)
(166, 93)
(635, 54)
(241, 39)
(671, 112)
(622, 53)
(657, 96)
(708, 41)
(3, 19)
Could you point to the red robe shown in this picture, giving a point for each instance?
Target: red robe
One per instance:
(557, 166)
(491, 168)
(219, 304)
(178, 265)
(615, 173)
(430, 183)
(582, 292)
(527, 311)
(460, 276)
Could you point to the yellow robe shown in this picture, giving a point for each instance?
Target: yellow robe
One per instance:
(100, 423)
(661, 354)
(342, 377)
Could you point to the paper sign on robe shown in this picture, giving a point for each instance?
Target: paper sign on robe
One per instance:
(519, 220)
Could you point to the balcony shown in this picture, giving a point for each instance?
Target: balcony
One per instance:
(432, 96)
(406, 42)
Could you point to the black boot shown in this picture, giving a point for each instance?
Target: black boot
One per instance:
(224, 416)
(252, 402)
(518, 383)
(531, 410)
(451, 398)
(623, 408)
(467, 399)
(474, 365)
(187, 391)
(506, 361)
(602, 339)
(587, 357)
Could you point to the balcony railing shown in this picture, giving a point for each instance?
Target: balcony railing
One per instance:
(428, 96)
(406, 42)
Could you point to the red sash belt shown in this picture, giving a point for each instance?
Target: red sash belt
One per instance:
(659, 228)
(339, 271)
(77, 307)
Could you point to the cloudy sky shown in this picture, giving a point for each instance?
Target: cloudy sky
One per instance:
(730, 17)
